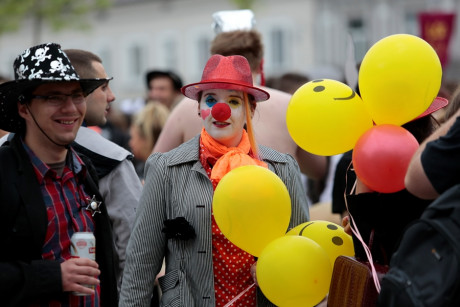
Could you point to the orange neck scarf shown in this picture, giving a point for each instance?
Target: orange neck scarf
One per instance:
(227, 158)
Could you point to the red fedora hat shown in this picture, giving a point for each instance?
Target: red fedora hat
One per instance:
(231, 72)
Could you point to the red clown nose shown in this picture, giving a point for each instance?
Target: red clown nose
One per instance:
(221, 112)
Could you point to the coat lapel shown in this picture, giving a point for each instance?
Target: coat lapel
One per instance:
(31, 196)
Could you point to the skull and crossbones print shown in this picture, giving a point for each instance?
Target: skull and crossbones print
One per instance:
(58, 66)
(40, 55)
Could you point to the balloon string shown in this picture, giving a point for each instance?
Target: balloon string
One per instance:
(239, 295)
(356, 232)
(366, 249)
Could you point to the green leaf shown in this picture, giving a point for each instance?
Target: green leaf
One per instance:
(244, 4)
(57, 14)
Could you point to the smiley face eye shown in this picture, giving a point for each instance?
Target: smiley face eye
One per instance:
(337, 241)
(319, 88)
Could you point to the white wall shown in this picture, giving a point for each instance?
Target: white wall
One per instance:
(165, 34)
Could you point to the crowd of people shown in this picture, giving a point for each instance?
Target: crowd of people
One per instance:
(145, 187)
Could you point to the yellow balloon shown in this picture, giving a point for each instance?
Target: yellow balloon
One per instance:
(326, 117)
(399, 77)
(252, 207)
(294, 271)
(331, 237)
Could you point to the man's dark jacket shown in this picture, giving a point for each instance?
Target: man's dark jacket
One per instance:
(24, 276)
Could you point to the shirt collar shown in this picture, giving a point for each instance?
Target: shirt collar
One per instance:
(42, 169)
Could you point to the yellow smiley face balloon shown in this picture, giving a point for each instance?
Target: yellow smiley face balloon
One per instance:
(326, 117)
(331, 237)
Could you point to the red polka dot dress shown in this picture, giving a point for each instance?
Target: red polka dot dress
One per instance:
(231, 265)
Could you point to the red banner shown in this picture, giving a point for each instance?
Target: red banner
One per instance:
(436, 28)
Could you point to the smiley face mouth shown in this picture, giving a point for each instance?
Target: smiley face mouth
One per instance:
(301, 231)
(347, 98)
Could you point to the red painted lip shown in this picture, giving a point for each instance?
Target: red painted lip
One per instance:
(220, 124)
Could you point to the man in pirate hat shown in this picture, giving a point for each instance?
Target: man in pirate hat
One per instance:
(46, 191)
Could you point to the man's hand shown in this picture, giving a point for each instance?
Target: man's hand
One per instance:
(77, 272)
(346, 225)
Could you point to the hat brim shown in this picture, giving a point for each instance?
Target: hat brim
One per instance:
(9, 95)
(438, 103)
(193, 90)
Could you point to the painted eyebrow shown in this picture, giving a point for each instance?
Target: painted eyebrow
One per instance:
(230, 96)
(235, 96)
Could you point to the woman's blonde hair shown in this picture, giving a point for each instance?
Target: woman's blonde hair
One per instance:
(251, 104)
(150, 121)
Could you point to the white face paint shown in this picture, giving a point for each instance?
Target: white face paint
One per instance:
(229, 131)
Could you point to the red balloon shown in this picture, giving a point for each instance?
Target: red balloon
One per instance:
(381, 157)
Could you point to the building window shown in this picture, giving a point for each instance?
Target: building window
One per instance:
(328, 37)
(135, 61)
(277, 45)
(411, 24)
(166, 48)
(357, 32)
(106, 58)
(135, 66)
(170, 54)
(197, 42)
(203, 47)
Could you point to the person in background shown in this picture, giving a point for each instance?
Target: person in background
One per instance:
(269, 120)
(447, 91)
(372, 210)
(453, 106)
(116, 129)
(3, 80)
(144, 132)
(380, 219)
(3, 133)
(434, 167)
(164, 87)
(288, 82)
(47, 191)
(118, 182)
(203, 268)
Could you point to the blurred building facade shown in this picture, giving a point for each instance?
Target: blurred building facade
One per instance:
(306, 36)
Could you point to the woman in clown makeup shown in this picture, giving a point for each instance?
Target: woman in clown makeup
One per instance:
(174, 219)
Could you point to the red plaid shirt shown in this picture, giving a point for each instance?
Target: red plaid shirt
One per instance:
(66, 203)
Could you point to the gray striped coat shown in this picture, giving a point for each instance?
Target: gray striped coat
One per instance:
(176, 185)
